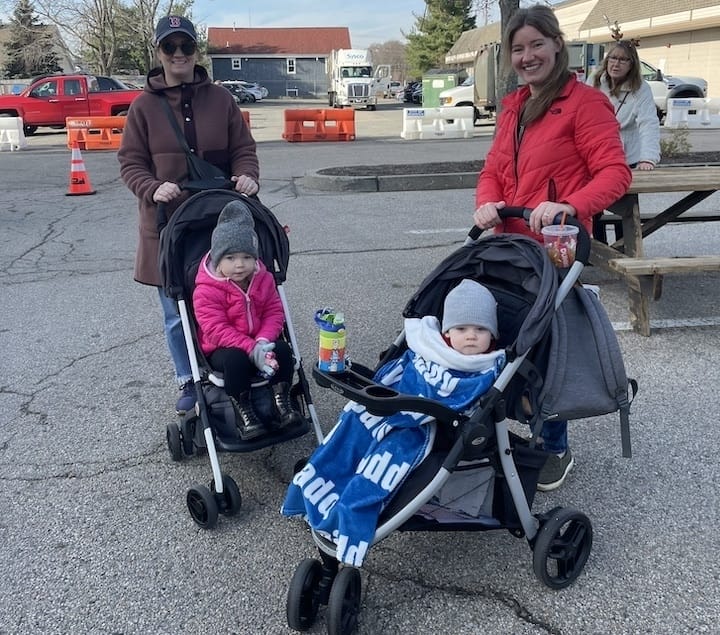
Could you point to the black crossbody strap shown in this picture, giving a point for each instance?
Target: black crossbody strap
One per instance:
(173, 122)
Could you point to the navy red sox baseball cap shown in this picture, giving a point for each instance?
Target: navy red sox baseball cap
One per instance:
(174, 24)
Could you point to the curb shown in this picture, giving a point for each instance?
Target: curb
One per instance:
(389, 183)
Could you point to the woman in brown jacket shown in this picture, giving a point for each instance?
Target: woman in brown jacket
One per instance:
(153, 164)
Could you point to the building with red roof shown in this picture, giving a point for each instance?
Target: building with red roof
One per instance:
(289, 62)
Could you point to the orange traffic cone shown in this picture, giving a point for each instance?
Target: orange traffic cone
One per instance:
(79, 180)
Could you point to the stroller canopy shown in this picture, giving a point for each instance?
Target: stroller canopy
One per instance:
(186, 239)
(519, 274)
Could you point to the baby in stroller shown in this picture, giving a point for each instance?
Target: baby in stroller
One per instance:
(240, 318)
(351, 477)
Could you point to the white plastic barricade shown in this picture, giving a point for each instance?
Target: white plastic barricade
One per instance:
(689, 112)
(12, 135)
(438, 123)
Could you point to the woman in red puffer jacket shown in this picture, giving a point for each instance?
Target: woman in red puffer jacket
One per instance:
(557, 150)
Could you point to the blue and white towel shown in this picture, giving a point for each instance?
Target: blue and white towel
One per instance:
(352, 475)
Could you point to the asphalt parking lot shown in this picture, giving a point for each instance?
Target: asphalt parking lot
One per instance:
(95, 533)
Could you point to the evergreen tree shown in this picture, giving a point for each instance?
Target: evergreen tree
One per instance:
(31, 46)
(436, 31)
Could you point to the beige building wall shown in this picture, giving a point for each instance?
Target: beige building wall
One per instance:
(678, 41)
(694, 53)
(674, 36)
(572, 15)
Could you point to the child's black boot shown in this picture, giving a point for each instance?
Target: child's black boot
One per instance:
(249, 424)
(288, 416)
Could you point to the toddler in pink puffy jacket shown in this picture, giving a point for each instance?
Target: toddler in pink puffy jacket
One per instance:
(240, 319)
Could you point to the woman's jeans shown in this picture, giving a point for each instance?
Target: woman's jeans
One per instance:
(554, 435)
(175, 338)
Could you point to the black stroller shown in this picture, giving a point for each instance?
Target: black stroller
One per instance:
(539, 308)
(211, 426)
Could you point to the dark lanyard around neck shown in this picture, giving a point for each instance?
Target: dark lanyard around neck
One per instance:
(620, 105)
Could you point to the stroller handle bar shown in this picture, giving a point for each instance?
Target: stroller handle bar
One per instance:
(191, 186)
(582, 253)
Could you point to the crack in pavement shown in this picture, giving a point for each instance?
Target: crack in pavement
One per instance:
(486, 592)
(74, 469)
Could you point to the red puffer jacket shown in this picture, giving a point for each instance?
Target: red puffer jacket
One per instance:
(573, 154)
(229, 317)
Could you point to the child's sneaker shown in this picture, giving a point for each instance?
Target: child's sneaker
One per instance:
(554, 471)
(187, 398)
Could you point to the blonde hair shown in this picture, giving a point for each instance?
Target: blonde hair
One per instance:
(633, 79)
(544, 20)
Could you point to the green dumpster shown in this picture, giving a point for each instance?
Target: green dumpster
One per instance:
(435, 81)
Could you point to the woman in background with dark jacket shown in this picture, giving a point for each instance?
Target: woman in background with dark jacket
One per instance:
(153, 163)
(557, 150)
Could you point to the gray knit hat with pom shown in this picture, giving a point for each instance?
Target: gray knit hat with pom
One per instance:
(470, 304)
(234, 233)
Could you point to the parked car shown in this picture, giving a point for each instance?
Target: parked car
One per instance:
(263, 91)
(416, 96)
(51, 99)
(242, 96)
(410, 87)
(393, 89)
(110, 83)
(237, 84)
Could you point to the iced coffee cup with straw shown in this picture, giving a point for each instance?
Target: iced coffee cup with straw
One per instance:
(560, 242)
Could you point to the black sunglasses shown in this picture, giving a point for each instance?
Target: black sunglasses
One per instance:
(187, 47)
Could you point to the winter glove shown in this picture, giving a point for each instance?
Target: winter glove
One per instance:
(271, 361)
(258, 357)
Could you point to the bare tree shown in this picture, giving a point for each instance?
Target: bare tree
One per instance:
(485, 11)
(391, 52)
(89, 24)
(98, 28)
(506, 79)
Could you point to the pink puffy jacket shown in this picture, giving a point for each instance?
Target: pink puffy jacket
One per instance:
(229, 317)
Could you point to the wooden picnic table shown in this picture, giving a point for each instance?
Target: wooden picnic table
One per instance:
(626, 256)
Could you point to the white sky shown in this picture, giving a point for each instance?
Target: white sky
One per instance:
(369, 21)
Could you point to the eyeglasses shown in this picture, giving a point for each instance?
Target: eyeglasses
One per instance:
(619, 60)
(187, 47)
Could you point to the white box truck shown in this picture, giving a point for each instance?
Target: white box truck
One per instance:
(352, 81)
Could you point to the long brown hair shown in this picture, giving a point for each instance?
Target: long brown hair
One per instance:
(543, 19)
(633, 79)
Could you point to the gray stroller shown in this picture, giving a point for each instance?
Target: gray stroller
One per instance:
(540, 307)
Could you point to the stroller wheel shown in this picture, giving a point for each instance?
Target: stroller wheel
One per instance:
(173, 442)
(303, 598)
(344, 602)
(230, 501)
(202, 506)
(562, 547)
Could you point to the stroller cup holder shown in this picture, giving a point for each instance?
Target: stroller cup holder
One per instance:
(379, 399)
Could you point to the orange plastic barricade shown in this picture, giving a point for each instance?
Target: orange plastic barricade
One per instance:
(95, 133)
(319, 125)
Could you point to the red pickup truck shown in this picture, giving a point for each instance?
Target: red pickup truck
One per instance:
(48, 101)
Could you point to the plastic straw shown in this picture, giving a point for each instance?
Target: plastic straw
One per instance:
(562, 224)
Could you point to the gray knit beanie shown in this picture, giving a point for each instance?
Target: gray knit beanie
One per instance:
(470, 303)
(234, 233)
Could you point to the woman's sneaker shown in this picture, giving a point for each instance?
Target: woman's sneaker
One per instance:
(187, 398)
(554, 471)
